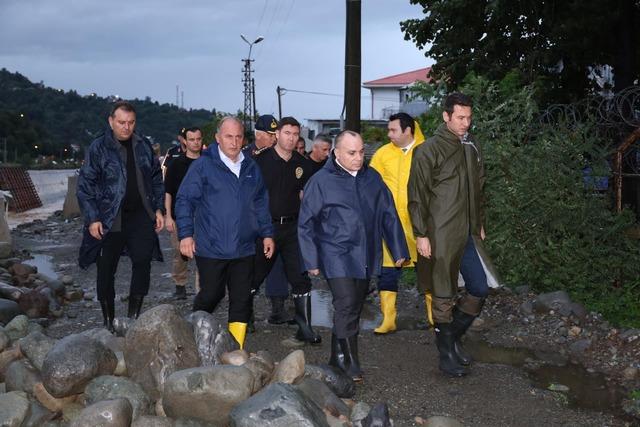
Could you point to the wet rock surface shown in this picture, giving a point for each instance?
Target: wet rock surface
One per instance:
(110, 387)
(400, 367)
(107, 413)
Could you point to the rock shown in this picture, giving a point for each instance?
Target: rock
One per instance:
(158, 344)
(14, 408)
(73, 295)
(51, 403)
(207, 393)
(526, 308)
(558, 387)
(580, 346)
(212, 338)
(35, 347)
(34, 326)
(290, 369)
(34, 303)
(478, 325)
(10, 292)
(73, 362)
(321, 395)
(632, 407)
(152, 421)
(159, 409)
(105, 337)
(38, 415)
(442, 421)
(191, 422)
(66, 280)
(57, 287)
(21, 273)
(630, 373)
(88, 296)
(110, 387)
(7, 357)
(261, 366)
(522, 289)
(630, 335)
(112, 413)
(71, 411)
(6, 249)
(235, 357)
(121, 367)
(359, 412)
(4, 340)
(545, 303)
(378, 416)
(8, 262)
(8, 310)
(341, 384)
(120, 324)
(278, 404)
(21, 376)
(574, 331)
(17, 328)
(579, 310)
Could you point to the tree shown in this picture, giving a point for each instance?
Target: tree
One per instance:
(555, 43)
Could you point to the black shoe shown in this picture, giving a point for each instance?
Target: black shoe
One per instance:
(278, 313)
(135, 305)
(445, 339)
(349, 347)
(108, 314)
(181, 292)
(337, 356)
(460, 324)
(303, 319)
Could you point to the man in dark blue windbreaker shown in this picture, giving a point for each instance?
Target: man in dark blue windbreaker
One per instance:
(346, 212)
(222, 207)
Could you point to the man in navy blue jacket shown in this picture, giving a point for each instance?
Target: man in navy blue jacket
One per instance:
(222, 207)
(346, 211)
(121, 196)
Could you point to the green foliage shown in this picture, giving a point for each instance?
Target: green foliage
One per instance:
(544, 226)
(374, 134)
(559, 43)
(54, 119)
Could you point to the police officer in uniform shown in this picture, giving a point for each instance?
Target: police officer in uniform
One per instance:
(285, 172)
(265, 135)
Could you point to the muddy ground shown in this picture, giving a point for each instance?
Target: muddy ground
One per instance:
(401, 368)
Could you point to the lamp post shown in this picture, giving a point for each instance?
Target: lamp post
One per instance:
(249, 86)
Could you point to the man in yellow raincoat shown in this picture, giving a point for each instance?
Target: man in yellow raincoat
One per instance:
(393, 162)
(445, 205)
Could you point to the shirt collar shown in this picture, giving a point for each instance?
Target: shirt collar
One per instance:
(406, 149)
(227, 159)
(345, 169)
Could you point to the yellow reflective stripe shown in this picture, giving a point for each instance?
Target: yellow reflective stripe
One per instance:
(428, 299)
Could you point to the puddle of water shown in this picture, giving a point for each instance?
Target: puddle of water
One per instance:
(586, 389)
(44, 264)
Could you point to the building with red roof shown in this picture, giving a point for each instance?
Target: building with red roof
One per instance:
(392, 94)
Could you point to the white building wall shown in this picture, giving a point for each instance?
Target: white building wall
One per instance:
(384, 102)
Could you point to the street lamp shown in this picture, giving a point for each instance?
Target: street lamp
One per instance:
(249, 85)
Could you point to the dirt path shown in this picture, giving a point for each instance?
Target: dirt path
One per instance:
(400, 369)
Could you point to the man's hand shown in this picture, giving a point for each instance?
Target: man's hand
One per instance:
(269, 247)
(400, 262)
(169, 224)
(188, 247)
(482, 235)
(314, 272)
(95, 229)
(159, 221)
(423, 245)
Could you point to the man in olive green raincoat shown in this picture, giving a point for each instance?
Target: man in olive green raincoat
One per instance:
(445, 206)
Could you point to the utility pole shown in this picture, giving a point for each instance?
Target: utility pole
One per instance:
(177, 98)
(352, 70)
(253, 91)
(279, 92)
(249, 86)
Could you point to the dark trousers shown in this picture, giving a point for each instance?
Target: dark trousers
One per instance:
(475, 279)
(348, 297)
(276, 283)
(235, 275)
(137, 235)
(286, 239)
(389, 278)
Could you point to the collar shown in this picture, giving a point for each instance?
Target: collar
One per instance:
(226, 159)
(346, 170)
(406, 149)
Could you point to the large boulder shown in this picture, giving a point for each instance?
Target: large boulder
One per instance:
(110, 387)
(4, 340)
(105, 337)
(73, 362)
(378, 417)
(107, 413)
(8, 310)
(207, 393)
(21, 376)
(7, 357)
(14, 408)
(212, 338)
(558, 301)
(341, 384)
(34, 303)
(323, 396)
(35, 347)
(158, 344)
(17, 328)
(152, 421)
(261, 366)
(278, 404)
(38, 415)
(290, 369)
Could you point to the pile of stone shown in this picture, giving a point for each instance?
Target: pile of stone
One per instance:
(167, 371)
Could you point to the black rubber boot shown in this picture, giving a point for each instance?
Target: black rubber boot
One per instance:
(445, 339)
(181, 292)
(349, 348)
(460, 324)
(108, 313)
(337, 356)
(278, 313)
(303, 319)
(135, 305)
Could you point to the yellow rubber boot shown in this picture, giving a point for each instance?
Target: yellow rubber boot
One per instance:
(239, 331)
(428, 302)
(388, 308)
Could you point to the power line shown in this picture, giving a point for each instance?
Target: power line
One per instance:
(266, 2)
(285, 90)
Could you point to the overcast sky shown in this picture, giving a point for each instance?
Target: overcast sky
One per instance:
(147, 47)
